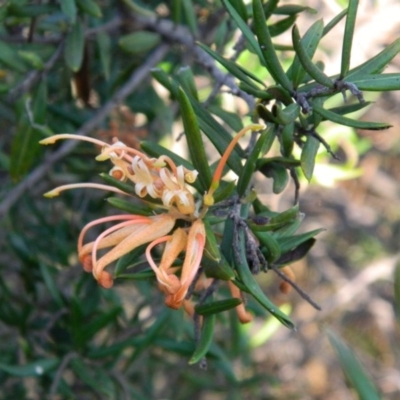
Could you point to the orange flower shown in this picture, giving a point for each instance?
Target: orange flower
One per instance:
(160, 179)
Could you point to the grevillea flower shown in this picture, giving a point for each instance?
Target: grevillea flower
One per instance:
(160, 179)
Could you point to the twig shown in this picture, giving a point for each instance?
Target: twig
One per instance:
(115, 23)
(181, 35)
(37, 174)
(298, 289)
(35, 76)
(64, 363)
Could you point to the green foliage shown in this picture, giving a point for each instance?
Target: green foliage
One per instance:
(78, 340)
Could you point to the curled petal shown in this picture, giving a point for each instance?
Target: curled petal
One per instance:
(118, 173)
(113, 236)
(123, 217)
(161, 225)
(194, 253)
(175, 244)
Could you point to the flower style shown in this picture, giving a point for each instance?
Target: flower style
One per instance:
(162, 180)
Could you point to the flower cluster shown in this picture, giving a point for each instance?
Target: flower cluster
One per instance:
(162, 180)
(159, 179)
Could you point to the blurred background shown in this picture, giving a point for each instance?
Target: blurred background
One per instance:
(62, 337)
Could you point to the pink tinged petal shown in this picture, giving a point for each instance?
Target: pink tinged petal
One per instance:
(174, 246)
(113, 236)
(162, 224)
(110, 237)
(194, 253)
(123, 217)
(116, 234)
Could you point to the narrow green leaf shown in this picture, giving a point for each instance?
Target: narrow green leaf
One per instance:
(252, 286)
(28, 10)
(36, 368)
(152, 333)
(306, 61)
(218, 269)
(232, 119)
(266, 114)
(277, 172)
(295, 254)
(93, 326)
(217, 306)
(377, 83)
(291, 9)
(74, 47)
(104, 46)
(190, 16)
(225, 190)
(125, 187)
(377, 63)
(335, 20)
(308, 154)
(242, 25)
(269, 8)
(51, 284)
(339, 119)
(272, 250)
(348, 37)
(350, 108)
(287, 139)
(258, 93)
(310, 42)
(195, 142)
(290, 241)
(90, 7)
(130, 207)
(288, 114)
(139, 42)
(353, 370)
(267, 49)
(207, 332)
(286, 162)
(32, 58)
(278, 221)
(281, 26)
(233, 68)
(211, 249)
(10, 58)
(68, 7)
(264, 143)
(130, 260)
(163, 78)
(25, 145)
(241, 8)
(218, 136)
(186, 79)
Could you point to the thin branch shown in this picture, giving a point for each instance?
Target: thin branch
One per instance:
(64, 364)
(111, 25)
(34, 76)
(298, 289)
(181, 35)
(36, 175)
